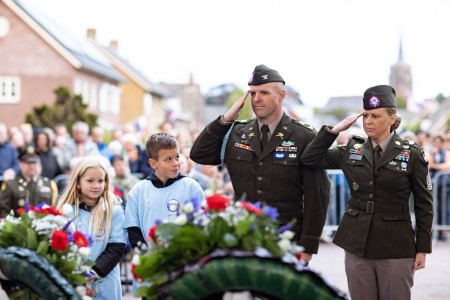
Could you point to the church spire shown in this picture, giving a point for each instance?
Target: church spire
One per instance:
(400, 51)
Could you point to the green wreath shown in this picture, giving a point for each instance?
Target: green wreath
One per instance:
(35, 272)
(265, 278)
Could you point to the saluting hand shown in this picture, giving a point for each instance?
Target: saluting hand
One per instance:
(235, 109)
(346, 123)
(419, 262)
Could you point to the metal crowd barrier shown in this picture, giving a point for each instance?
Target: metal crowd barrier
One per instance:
(441, 201)
(339, 195)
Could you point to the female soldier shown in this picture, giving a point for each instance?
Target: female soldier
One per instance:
(382, 250)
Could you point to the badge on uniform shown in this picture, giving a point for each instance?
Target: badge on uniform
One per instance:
(355, 186)
(287, 143)
(357, 146)
(355, 156)
(429, 185)
(279, 155)
(246, 147)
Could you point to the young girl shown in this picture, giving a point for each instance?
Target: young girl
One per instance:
(95, 212)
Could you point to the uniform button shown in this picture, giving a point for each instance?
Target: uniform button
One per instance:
(259, 178)
(398, 168)
(261, 164)
(370, 182)
(238, 157)
(353, 161)
(285, 162)
(259, 192)
(370, 196)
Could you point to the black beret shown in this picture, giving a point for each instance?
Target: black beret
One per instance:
(379, 96)
(28, 155)
(263, 74)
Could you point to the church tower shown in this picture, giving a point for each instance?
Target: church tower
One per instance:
(401, 80)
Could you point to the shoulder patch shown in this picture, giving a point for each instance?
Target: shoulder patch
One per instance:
(3, 186)
(303, 124)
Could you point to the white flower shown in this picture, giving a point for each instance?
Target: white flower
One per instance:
(67, 209)
(84, 251)
(31, 214)
(61, 220)
(287, 235)
(188, 208)
(181, 220)
(284, 244)
(81, 290)
(136, 260)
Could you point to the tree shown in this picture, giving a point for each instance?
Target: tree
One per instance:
(68, 109)
(246, 111)
(440, 98)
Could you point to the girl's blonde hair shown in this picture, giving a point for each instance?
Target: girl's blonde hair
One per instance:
(101, 213)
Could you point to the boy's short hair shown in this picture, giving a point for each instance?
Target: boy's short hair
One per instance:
(117, 157)
(160, 141)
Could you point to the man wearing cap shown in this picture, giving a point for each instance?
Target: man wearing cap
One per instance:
(383, 171)
(262, 156)
(28, 186)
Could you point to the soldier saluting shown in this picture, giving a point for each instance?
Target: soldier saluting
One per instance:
(262, 156)
(28, 186)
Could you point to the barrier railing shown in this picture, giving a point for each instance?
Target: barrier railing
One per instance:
(339, 195)
(441, 201)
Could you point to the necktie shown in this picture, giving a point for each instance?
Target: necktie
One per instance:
(376, 154)
(264, 136)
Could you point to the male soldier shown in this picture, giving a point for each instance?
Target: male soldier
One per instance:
(262, 156)
(28, 186)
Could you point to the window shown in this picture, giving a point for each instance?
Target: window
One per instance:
(9, 89)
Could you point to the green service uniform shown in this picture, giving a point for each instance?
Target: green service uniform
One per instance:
(274, 176)
(377, 221)
(14, 193)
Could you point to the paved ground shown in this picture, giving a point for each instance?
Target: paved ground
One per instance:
(432, 283)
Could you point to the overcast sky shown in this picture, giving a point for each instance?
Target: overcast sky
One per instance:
(322, 48)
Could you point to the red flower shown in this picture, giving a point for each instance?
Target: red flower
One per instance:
(135, 276)
(50, 210)
(152, 232)
(251, 208)
(80, 239)
(298, 255)
(59, 240)
(217, 202)
(21, 211)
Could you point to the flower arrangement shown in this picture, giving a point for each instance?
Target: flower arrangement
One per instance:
(202, 229)
(49, 233)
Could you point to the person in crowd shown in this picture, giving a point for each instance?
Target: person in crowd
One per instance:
(9, 164)
(262, 156)
(81, 145)
(99, 139)
(160, 195)
(382, 249)
(28, 187)
(96, 211)
(193, 172)
(28, 134)
(123, 178)
(49, 160)
(439, 160)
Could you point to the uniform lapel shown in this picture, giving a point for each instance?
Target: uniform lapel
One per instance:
(282, 131)
(367, 151)
(393, 149)
(251, 132)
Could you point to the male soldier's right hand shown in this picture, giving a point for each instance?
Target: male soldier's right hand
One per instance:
(233, 113)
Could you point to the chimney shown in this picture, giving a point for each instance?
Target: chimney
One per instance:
(114, 45)
(91, 33)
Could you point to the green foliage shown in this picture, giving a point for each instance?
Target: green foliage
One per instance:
(339, 113)
(246, 111)
(401, 101)
(440, 98)
(68, 109)
(240, 226)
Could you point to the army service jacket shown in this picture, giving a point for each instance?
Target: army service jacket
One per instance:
(274, 176)
(377, 221)
(14, 193)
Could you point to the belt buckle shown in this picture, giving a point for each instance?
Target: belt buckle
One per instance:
(369, 206)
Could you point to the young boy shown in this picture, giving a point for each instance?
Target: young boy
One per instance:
(161, 194)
